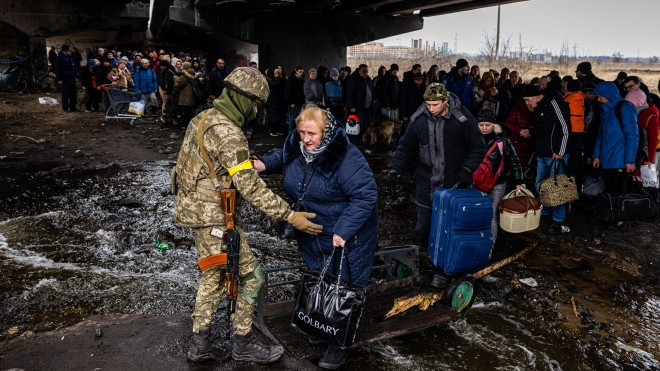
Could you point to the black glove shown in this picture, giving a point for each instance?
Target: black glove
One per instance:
(465, 177)
(393, 178)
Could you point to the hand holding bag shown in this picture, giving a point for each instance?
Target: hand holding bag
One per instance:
(558, 189)
(327, 307)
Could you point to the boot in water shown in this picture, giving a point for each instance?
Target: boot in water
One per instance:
(247, 348)
(202, 348)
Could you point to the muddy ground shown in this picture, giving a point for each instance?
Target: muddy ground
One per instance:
(594, 284)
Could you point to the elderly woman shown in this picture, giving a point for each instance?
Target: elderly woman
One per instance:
(120, 76)
(325, 174)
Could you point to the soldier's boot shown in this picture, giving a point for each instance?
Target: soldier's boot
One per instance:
(202, 348)
(247, 348)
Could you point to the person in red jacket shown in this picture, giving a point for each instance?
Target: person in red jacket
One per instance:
(518, 122)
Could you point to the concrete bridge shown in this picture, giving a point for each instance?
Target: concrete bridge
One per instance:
(287, 32)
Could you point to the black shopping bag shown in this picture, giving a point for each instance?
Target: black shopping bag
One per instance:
(329, 308)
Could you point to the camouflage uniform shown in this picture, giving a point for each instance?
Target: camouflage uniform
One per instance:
(198, 206)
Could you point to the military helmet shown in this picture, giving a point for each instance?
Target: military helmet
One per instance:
(436, 91)
(249, 82)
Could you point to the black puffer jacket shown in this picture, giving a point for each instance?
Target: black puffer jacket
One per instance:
(511, 168)
(462, 147)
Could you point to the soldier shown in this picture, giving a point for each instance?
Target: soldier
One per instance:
(198, 206)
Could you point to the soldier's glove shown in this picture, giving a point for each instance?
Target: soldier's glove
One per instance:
(465, 177)
(300, 221)
(393, 178)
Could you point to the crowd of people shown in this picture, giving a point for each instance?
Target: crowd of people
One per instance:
(549, 125)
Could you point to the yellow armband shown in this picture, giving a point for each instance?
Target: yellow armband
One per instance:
(243, 165)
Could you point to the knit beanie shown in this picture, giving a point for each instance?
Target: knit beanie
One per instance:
(461, 63)
(334, 72)
(486, 115)
(584, 67)
(574, 86)
(530, 90)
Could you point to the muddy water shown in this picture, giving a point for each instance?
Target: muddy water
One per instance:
(78, 242)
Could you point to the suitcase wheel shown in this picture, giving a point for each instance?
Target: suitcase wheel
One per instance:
(460, 293)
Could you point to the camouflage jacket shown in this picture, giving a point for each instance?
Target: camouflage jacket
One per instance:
(197, 202)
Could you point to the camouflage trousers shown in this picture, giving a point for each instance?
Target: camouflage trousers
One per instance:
(213, 284)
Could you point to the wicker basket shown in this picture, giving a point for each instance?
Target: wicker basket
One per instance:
(520, 212)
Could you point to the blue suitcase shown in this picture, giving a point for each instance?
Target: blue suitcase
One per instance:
(460, 239)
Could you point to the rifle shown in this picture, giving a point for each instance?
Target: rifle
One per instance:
(228, 197)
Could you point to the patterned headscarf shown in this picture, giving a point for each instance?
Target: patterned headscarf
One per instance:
(328, 134)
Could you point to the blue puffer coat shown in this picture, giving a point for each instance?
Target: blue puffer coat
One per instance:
(343, 194)
(145, 80)
(615, 147)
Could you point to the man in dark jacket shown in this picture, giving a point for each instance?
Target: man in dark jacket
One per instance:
(294, 94)
(66, 71)
(388, 92)
(458, 81)
(584, 74)
(551, 131)
(443, 144)
(412, 95)
(217, 77)
(360, 98)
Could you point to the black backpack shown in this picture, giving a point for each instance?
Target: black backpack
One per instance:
(643, 143)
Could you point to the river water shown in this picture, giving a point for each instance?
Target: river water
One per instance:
(79, 242)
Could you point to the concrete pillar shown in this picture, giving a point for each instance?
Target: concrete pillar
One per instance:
(299, 39)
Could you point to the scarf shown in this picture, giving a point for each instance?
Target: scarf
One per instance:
(328, 134)
(237, 115)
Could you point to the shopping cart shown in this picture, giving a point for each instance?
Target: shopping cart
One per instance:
(117, 101)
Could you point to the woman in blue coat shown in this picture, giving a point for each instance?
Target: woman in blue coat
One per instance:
(325, 174)
(616, 143)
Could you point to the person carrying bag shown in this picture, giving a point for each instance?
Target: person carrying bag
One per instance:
(558, 189)
(329, 308)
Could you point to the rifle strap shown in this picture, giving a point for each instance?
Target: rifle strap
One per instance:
(212, 261)
(205, 155)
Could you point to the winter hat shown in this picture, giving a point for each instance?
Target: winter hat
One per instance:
(65, 47)
(487, 75)
(636, 97)
(435, 91)
(530, 90)
(186, 65)
(486, 115)
(418, 76)
(174, 60)
(505, 70)
(311, 71)
(91, 62)
(574, 86)
(334, 72)
(584, 67)
(124, 58)
(461, 63)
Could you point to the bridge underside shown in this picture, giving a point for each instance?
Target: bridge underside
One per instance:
(287, 32)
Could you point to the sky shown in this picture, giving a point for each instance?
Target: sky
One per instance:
(589, 27)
